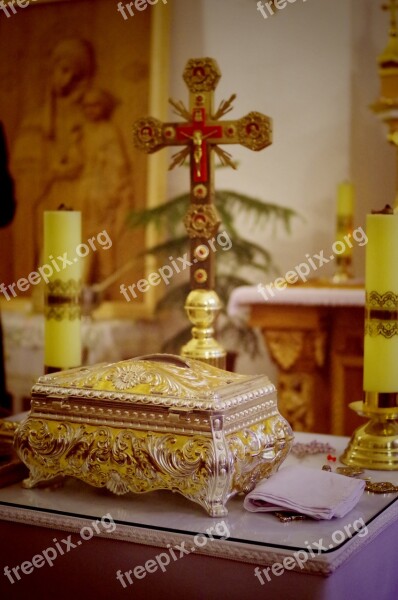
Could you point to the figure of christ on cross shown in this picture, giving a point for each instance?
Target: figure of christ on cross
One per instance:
(198, 131)
(201, 136)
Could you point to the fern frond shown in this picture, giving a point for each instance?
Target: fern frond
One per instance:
(161, 216)
(173, 247)
(174, 297)
(260, 211)
(247, 254)
(227, 221)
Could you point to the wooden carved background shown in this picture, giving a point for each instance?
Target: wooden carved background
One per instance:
(73, 78)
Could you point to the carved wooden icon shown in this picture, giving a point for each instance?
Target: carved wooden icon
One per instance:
(74, 79)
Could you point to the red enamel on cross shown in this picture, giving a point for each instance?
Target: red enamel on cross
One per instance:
(200, 134)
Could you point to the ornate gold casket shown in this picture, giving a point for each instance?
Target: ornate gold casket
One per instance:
(156, 422)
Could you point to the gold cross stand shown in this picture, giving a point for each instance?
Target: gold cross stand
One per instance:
(200, 136)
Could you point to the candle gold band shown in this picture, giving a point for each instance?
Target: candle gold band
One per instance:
(375, 327)
(381, 399)
(62, 312)
(386, 301)
(63, 300)
(59, 288)
(55, 300)
(381, 314)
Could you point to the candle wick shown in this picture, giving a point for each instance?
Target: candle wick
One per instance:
(387, 210)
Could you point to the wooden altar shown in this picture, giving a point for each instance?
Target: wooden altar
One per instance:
(315, 337)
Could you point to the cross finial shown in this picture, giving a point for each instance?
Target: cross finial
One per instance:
(392, 6)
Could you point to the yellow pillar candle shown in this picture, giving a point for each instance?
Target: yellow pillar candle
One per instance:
(345, 199)
(62, 236)
(344, 229)
(345, 216)
(381, 333)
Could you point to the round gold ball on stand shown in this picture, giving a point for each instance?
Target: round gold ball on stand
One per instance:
(202, 308)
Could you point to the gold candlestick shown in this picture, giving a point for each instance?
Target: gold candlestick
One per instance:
(375, 445)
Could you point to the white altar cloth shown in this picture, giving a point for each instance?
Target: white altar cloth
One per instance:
(305, 295)
(109, 340)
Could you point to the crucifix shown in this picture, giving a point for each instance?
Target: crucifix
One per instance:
(200, 136)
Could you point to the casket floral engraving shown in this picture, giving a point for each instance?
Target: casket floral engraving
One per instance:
(157, 423)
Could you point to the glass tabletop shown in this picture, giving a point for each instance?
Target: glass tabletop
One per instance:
(164, 511)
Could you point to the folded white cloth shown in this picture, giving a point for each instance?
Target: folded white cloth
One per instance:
(316, 493)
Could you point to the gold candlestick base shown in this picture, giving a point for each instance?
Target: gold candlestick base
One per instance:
(343, 272)
(202, 307)
(375, 444)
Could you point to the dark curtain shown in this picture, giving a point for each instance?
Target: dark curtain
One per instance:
(7, 210)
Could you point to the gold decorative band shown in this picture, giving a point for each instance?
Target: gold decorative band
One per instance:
(381, 399)
(386, 301)
(59, 287)
(63, 299)
(381, 314)
(62, 312)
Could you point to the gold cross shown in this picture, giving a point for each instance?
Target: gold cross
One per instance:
(201, 136)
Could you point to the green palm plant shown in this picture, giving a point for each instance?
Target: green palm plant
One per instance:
(244, 255)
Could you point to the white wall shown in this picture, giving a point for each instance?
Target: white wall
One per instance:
(312, 68)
